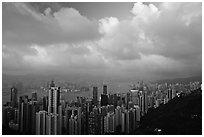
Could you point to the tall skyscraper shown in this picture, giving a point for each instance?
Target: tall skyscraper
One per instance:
(104, 96)
(97, 117)
(95, 96)
(109, 123)
(123, 121)
(104, 100)
(144, 103)
(106, 120)
(132, 120)
(45, 103)
(135, 96)
(71, 125)
(110, 99)
(79, 117)
(76, 126)
(68, 113)
(41, 123)
(118, 116)
(16, 116)
(34, 96)
(137, 113)
(53, 98)
(24, 111)
(91, 124)
(127, 124)
(169, 93)
(115, 100)
(128, 98)
(34, 109)
(14, 93)
(51, 124)
(60, 120)
(20, 109)
(105, 90)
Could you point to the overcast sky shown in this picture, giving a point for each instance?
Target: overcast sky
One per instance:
(117, 40)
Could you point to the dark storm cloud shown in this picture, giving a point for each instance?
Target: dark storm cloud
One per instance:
(23, 25)
(154, 40)
(92, 10)
(42, 6)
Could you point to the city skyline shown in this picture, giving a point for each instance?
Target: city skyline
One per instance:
(111, 114)
(109, 40)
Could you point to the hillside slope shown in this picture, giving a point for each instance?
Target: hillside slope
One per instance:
(181, 116)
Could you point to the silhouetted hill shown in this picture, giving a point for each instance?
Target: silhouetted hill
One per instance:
(181, 80)
(181, 116)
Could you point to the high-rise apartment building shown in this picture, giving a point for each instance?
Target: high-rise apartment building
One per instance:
(14, 93)
(104, 100)
(51, 124)
(34, 96)
(41, 123)
(105, 90)
(95, 96)
(53, 98)
(91, 124)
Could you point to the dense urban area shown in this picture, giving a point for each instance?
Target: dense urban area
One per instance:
(152, 109)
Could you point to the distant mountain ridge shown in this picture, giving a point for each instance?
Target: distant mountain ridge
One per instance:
(181, 80)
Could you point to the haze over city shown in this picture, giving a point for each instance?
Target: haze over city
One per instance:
(102, 40)
(101, 68)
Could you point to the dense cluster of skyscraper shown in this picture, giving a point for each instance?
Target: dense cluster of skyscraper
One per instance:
(110, 113)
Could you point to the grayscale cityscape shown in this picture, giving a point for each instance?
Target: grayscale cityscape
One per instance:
(101, 68)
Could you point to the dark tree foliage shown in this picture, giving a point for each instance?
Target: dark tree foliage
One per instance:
(181, 116)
